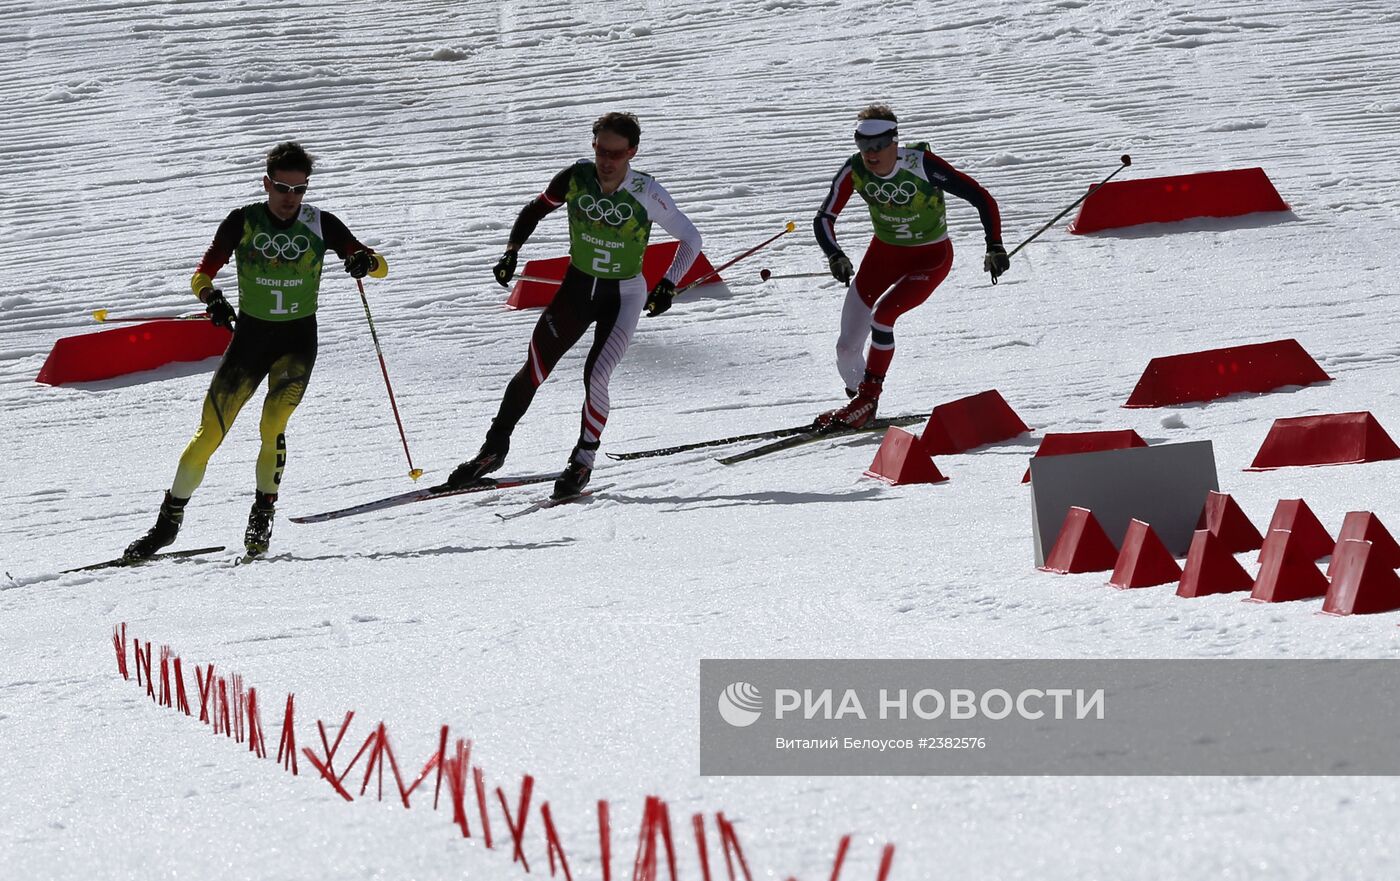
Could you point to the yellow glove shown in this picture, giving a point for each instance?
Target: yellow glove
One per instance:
(201, 283)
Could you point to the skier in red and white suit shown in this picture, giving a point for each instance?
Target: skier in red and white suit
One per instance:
(908, 257)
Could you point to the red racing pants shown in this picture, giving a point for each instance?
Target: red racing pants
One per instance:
(892, 280)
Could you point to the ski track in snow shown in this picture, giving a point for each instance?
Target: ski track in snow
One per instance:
(567, 643)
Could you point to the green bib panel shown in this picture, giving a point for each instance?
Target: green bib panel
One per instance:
(607, 233)
(279, 270)
(905, 208)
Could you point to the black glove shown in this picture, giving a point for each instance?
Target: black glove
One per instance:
(659, 300)
(220, 313)
(996, 262)
(504, 270)
(841, 268)
(361, 263)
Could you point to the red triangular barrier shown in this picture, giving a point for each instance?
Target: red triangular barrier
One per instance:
(1363, 582)
(901, 459)
(1211, 569)
(1223, 518)
(1227, 193)
(1144, 560)
(1205, 376)
(971, 422)
(1365, 526)
(1070, 442)
(1286, 571)
(1082, 546)
(130, 349)
(538, 294)
(1333, 439)
(1310, 538)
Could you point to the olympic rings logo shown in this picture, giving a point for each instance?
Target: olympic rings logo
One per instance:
(281, 246)
(605, 210)
(891, 193)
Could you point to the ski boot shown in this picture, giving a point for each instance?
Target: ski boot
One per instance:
(490, 457)
(857, 413)
(572, 479)
(259, 533)
(172, 514)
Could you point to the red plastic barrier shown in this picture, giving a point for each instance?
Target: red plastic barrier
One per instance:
(970, 422)
(1205, 376)
(1082, 546)
(1334, 439)
(1169, 199)
(537, 294)
(1211, 569)
(123, 350)
(1223, 518)
(1309, 536)
(1144, 560)
(1070, 442)
(901, 460)
(1367, 527)
(1364, 583)
(1287, 571)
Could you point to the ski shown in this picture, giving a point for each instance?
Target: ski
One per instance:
(440, 491)
(553, 502)
(760, 435)
(124, 562)
(797, 440)
(245, 558)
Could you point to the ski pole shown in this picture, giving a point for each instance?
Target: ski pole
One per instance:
(414, 473)
(101, 315)
(1125, 159)
(761, 245)
(765, 274)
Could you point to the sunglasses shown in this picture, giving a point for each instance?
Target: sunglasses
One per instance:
(280, 187)
(877, 142)
(610, 154)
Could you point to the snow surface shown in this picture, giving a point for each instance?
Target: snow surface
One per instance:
(566, 644)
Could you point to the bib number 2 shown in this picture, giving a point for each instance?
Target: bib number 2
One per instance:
(603, 263)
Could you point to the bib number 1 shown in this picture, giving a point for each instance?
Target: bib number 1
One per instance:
(280, 308)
